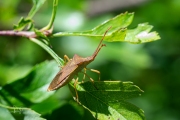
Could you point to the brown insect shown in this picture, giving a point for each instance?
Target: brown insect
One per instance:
(73, 67)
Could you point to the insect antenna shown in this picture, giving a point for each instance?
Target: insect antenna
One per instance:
(100, 44)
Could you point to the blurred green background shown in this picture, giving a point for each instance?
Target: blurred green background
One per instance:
(154, 66)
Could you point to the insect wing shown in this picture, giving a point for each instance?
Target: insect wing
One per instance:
(53, 85)
(66, 72)
(62, 76)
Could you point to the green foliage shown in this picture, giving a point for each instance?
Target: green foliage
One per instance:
(31, 88)
(119, 31)
(22, 24)
(18, 113)
(107, 99)
(28, 90)
(40, 34)
(104, 99)
(141, 34)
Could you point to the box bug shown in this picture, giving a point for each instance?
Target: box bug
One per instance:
(73, 67)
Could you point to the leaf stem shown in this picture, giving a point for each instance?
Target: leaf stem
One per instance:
(75, 34)
(50, 24)
(13, 108)
(35, 8)
(49, 50)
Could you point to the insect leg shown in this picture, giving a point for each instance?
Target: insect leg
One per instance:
(84, 74)
(88, 76)
(90, 79)
(66, 58)
(75, 83)
(96, 71)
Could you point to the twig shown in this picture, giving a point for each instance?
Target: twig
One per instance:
(27, 34)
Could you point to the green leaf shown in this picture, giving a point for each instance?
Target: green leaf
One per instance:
(12, 113)
(36, 6)
(141, 34)
(106, 99)
(23, 22)
(33, 87)
(119, 22)
(119, 31)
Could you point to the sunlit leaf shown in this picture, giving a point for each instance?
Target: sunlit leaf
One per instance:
(141, 34)
(17, 113)
(106, 100)
(119, 22)
(33, 87)
(23, 22)
(119, 31)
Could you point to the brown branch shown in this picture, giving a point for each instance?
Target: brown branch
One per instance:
(27, 34)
